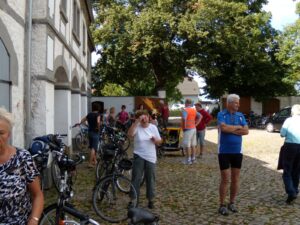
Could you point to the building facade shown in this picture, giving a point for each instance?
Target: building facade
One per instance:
(45, 61)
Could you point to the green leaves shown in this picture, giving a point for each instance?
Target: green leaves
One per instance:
(150, 45)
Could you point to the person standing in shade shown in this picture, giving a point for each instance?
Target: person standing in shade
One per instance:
(206, 118)
(231, 126)
(146, 136)
(111, 119)
(291, 154)
(164, 113)
(122, 118)
(190, 118)
(93, 119)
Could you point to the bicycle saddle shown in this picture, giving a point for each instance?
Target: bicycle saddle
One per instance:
(139, 215)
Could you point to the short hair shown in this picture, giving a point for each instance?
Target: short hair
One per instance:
(231, 97)
(188, 101)
(112, 110)
(198, 104)
(123, 107)
(95, 107)
(295, 110)
(6, 116)
(141, 112)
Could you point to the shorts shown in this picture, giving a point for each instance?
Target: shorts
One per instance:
(200, 137)
(227, 161)
(93, 140)
(189, 138)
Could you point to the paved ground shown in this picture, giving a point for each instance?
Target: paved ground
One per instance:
(188, 195)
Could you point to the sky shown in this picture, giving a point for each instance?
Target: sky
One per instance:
(283, 12)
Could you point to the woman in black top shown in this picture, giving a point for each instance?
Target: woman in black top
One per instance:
(93, 120)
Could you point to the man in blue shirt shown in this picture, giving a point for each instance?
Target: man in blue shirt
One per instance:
(231, 125)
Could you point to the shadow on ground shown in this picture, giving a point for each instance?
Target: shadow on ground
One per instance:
(188, 195)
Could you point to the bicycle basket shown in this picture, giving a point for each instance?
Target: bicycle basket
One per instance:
(109, 152)
(125, 164)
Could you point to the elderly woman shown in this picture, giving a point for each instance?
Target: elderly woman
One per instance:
(146, 136)
(21, 198)
(291, 154)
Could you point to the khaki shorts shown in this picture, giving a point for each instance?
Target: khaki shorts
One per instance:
(189, 138)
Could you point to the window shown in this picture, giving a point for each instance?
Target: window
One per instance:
(5, 81)
(83, 38)
(63, 10)
(76, 21)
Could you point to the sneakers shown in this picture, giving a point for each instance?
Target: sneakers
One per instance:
(187, 162)
(150, 205)
(194, 160)
(223, 210)
(232, 208)
(290, 199)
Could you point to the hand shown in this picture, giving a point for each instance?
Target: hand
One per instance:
(153, 139)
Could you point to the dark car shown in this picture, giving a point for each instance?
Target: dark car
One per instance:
(276, 121)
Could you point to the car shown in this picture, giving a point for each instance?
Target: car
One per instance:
(177, 106)
(275, 122)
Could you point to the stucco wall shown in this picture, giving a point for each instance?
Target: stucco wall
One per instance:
(14, 30)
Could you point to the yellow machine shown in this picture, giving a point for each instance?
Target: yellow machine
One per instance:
(172, 138)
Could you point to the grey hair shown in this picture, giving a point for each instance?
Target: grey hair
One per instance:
(6, 116)
(296, 110)
(231, 97)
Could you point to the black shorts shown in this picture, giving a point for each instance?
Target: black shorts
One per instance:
(93, 140)
(227, 161)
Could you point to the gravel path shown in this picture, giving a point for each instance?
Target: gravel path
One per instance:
(188, 195)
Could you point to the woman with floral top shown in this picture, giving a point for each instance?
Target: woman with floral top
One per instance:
(21, 198)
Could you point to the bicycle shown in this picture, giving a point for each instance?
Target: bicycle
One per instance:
(62, 212)
(111, 193)
(139, 216)
(43, 150)
(82, 137)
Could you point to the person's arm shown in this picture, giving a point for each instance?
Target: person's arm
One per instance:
(131, 131)
(98, 122)
(229, 128)
(283, 130)
(244, 130)
(83, 120)
(156, 139)
(37, 201)
(207, 117)
(199, 118)
(183, 118)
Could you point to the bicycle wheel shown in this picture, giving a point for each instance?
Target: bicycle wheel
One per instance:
(100, 169)
(49, 216)
(109, 202)
(55, 174)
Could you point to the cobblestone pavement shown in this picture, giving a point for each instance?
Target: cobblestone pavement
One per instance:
(188, 195)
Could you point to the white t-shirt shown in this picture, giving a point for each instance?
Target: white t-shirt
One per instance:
(143, 145)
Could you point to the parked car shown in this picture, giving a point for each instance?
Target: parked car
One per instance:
(276, 121)
(177, 106)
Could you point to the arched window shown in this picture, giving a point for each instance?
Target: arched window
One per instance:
(5, 81)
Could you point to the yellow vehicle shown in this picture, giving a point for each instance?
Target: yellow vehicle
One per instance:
(172, 138)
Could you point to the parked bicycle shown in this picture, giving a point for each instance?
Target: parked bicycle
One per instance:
(111, 193)
(109, 135)
(82, 137)
(62, 212)
(44, 150)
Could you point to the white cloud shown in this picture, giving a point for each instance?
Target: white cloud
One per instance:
(283, 12)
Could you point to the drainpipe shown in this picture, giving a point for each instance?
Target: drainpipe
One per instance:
(27, 81)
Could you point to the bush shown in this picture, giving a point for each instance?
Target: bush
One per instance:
(175, 112)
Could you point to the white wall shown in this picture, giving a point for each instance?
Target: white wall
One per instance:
(116, 102)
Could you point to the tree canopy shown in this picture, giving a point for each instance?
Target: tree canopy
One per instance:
(289, 53)
(148, 45)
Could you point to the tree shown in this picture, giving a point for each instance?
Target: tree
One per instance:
(289, 53)
(151, 45)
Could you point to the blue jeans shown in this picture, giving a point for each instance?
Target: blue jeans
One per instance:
(291, 168)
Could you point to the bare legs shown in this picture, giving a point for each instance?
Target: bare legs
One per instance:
(234, 185)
